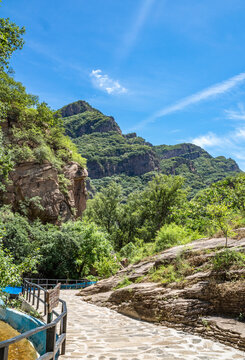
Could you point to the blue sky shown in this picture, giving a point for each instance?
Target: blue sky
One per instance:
(171, 70)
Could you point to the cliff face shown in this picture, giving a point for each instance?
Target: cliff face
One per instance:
(205, 301)
(132, 165)
(37, 187)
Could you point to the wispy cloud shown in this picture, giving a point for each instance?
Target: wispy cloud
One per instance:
(233, 140)
(131, 36)
(105, 83)
(236, 115)
(210, 92)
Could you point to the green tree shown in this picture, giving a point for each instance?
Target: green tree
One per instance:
(221, 215)
(10, 40)
(104, 208)
(157, 203)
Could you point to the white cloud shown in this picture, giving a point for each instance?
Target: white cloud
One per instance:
(131, 36)
(105, 83)
(239, 134)
(212, 91)
(232, 141)
(208, 140)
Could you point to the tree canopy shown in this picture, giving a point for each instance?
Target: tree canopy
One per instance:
(10, 40)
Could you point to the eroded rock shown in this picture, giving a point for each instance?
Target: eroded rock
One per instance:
(37, 186)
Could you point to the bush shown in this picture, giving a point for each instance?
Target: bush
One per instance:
(172, 234)
(227, 258)
(106, 266)
(128, 250)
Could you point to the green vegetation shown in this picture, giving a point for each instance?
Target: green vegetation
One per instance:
(72, 250)
(131, 161)
(223, 260)
(172, 235)
(125, 282)
(10, 40)
(174, 272)
(161, 216)
(144, 210)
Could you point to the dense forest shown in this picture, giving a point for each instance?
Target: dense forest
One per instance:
(154, 209)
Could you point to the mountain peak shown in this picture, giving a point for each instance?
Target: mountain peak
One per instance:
(77, 107)
(80, 119)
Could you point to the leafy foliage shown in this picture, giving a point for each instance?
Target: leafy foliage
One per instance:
(225, 259)
(171, 235)
(10, 40)
(30, 131)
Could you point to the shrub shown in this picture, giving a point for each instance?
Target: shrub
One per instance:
(171, 235)
(128, 250)
(227, 258)
(106, 266)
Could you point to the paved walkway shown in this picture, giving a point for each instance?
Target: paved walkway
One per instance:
(102, 334)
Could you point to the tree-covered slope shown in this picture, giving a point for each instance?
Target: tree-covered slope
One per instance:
(40, 168)
(130, 160)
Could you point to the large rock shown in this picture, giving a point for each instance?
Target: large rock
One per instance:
(206, 302)
(37, 186)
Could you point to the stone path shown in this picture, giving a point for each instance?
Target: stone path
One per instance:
(102, 334)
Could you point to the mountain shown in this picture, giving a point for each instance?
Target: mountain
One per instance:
(132, 161)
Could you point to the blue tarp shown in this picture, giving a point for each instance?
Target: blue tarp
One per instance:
(13, 290)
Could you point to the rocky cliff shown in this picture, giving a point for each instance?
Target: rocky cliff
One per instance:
(204, 301)
(37, 187)
(41, 173)
(109, 153)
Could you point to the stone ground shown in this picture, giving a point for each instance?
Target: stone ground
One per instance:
(98, 333)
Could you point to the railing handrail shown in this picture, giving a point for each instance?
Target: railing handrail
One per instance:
(52, 344)
(57, 279)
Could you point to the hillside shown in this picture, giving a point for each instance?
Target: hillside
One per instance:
(130, 160)
(41, 174)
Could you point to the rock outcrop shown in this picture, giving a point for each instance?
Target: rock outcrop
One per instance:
(205, 302)
(39, 188)
(132, 165)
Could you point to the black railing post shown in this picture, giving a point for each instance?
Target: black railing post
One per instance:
(27, 287)
(45, 304)
(38, 296)
(23, 288)
(51, 340)
(4, 353)
(30, 295)
(33, 298)
(64, 329)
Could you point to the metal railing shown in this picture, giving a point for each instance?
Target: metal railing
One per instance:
(55, 337)
(65, 283)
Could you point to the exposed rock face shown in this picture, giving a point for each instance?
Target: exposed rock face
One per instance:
(206, 302)
(186, 151)
(134, 165)
(37, 185)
